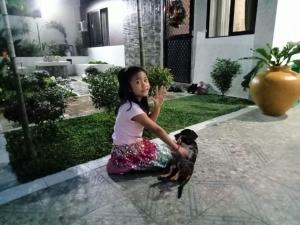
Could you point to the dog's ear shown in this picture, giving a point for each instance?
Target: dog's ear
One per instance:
(192, 134)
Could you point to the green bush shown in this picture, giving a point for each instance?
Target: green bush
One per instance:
(104, 85)
(44, 99)
(45, 105)
(28, 48)
(159, 77)
(6, 82)
(104, 88)
(223, 72)
(90, 73)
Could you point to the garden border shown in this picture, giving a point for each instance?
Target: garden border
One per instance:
(47, 181)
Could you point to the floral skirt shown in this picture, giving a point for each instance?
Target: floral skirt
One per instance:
(142, 155)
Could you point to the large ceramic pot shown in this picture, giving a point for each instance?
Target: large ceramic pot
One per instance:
(275, 90)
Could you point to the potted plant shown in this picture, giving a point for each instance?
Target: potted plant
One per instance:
(276, 88)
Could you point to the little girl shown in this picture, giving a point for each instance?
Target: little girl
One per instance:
(130, 150)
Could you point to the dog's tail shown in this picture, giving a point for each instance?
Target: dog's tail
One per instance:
(181, 186)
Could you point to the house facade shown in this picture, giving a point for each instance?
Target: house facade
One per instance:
(273, 25)
(211, 29)
(107, 30)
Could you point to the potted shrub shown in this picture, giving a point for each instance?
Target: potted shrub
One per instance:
(276, 88)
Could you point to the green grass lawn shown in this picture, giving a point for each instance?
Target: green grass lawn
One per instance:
(79, 140)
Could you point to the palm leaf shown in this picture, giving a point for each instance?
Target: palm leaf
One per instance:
(263, 53)
(249, 76)
(256, 58)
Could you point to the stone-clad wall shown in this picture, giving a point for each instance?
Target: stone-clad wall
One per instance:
(151, 20)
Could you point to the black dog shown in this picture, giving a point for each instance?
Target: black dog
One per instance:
(192, 88)
(181, 169)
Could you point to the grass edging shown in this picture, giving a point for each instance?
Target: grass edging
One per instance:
(76, 141)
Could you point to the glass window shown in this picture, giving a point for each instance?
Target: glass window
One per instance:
(231, 17)
(98, 28)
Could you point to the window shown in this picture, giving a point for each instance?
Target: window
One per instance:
(230, 17)
(98, 28)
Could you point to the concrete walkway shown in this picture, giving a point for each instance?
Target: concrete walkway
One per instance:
(247, 172)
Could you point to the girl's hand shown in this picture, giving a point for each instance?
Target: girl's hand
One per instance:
(183, 152)
(159, 96)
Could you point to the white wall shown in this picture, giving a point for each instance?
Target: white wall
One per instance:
(65, 12)
(111, 54)
(29, 63)
(287, 27)
(205, 51)
(117, 10)
(265, 22)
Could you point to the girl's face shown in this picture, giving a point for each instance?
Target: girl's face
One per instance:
(140, 85)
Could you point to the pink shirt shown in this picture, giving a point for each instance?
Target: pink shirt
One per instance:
(127, 131)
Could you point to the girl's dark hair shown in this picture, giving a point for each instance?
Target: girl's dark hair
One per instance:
(125, 94)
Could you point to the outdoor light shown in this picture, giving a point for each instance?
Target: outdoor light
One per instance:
(47, 7)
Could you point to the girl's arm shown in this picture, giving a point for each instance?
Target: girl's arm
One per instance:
(149, 124)
(155, 113)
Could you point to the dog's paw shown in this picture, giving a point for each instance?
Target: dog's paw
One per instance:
(162, 178)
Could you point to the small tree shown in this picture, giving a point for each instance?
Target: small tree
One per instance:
(223, 72)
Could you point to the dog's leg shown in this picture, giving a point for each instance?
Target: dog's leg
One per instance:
(175, 177)
(166, 176)
(181, 186)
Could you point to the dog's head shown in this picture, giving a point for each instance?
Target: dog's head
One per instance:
(186, 136)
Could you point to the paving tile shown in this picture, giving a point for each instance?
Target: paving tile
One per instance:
(122, 212)
(246, 173)
(79, 197)
(28, 218)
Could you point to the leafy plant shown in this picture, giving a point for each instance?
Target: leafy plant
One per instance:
(296, 66)
(44, 99)
(28, 48)
(159, 77)
(62, 48)
(17, 33)
(104, 88)
(59, 27)
(104, 85)
(46, 105)
(223, 72)
(270, 57)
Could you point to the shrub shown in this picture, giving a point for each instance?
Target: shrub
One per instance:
(45, 105)
(44, 99)
(159, 77)
(104, 88)
(223, 72)
(90, 73)
(104, 85)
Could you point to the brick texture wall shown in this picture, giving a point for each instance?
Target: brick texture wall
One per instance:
(151, 21)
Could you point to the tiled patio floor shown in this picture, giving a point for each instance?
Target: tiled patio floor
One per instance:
(247, 173)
